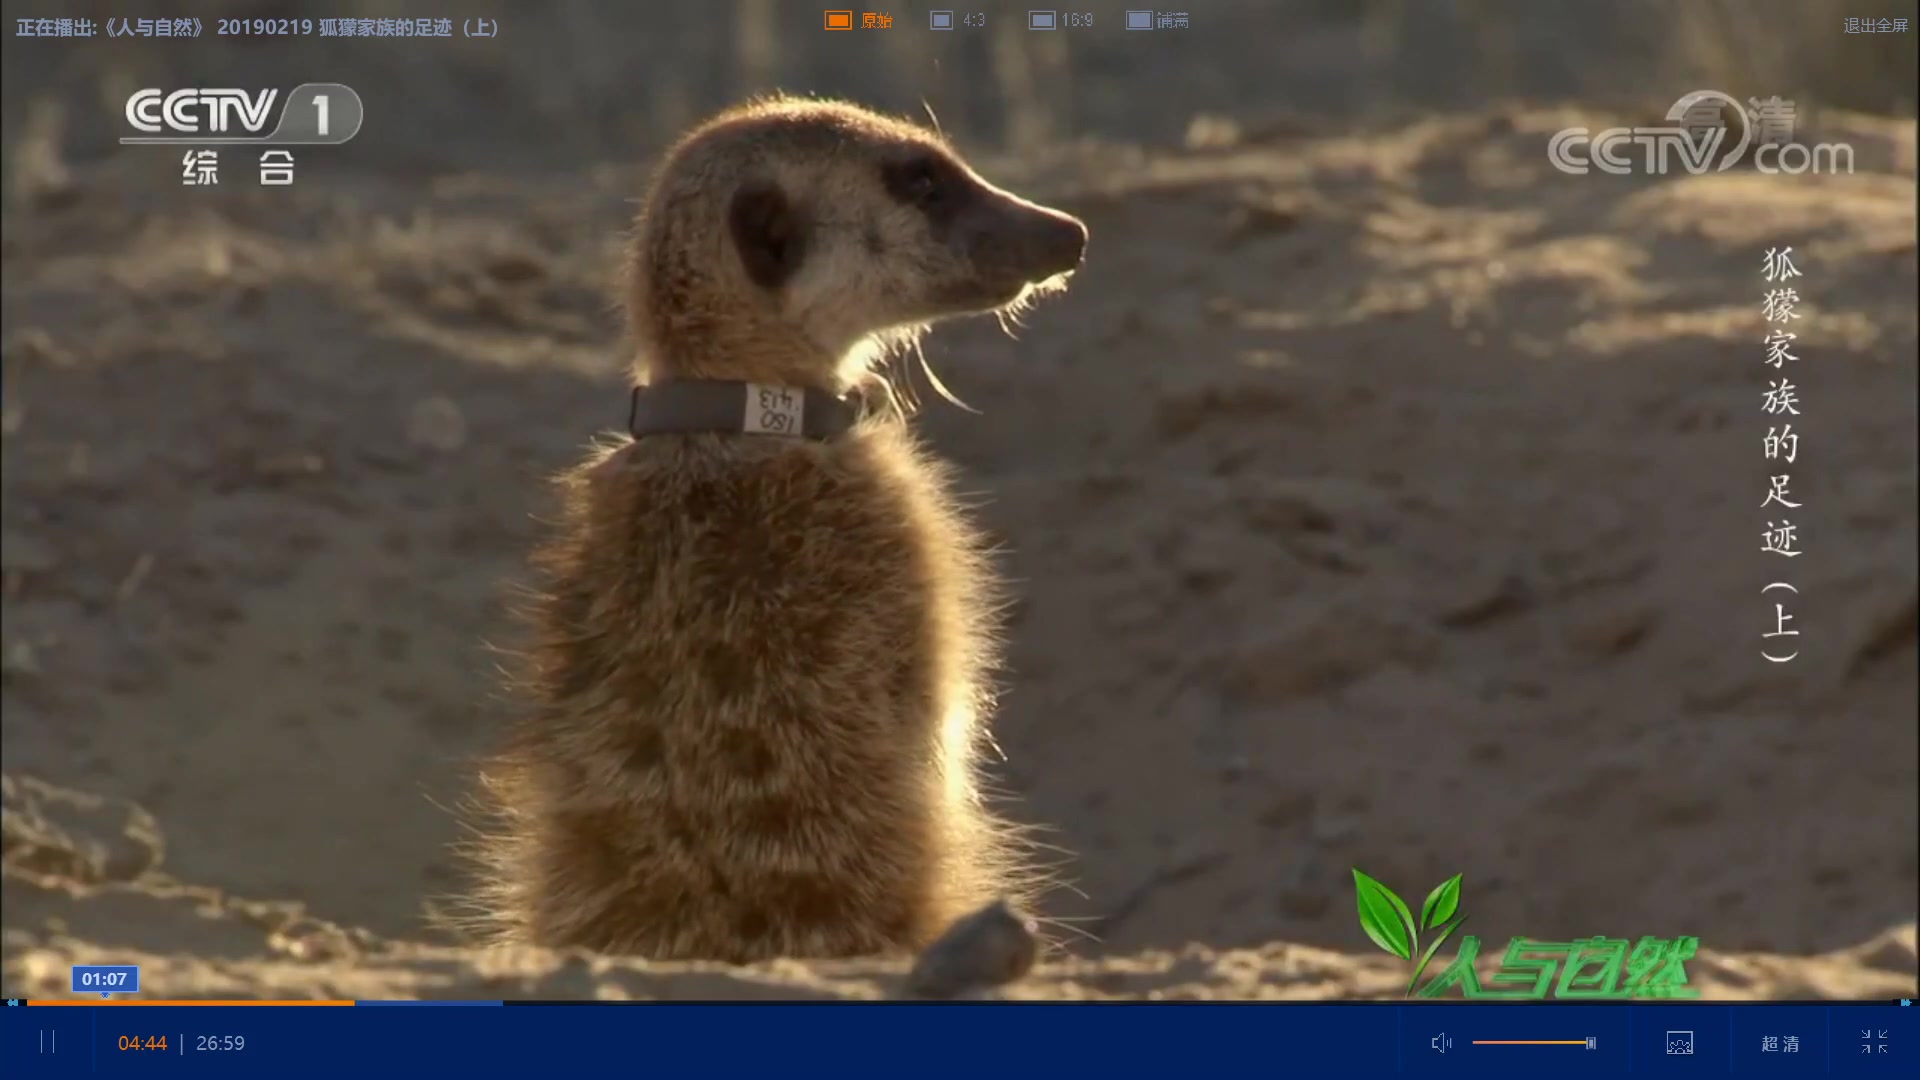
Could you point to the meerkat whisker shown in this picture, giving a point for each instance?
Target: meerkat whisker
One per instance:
(938, 386)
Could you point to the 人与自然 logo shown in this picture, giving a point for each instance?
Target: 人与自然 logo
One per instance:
(1590, 969)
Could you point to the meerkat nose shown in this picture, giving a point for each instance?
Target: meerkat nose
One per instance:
(1062, 242)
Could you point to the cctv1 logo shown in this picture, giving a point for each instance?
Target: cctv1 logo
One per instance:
(313, 114)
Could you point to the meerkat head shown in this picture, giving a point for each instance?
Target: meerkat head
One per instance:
(782, 238)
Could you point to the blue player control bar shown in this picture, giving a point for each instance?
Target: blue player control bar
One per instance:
(1164, 1040)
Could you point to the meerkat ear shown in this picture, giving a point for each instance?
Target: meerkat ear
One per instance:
(768, 233)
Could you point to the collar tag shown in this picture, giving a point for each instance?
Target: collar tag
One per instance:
(774, 410)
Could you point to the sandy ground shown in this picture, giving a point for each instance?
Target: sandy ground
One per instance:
(1383, 500)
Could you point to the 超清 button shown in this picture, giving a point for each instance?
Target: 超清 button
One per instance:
(1779, 1039)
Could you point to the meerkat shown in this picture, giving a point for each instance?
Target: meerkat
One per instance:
(765, 636)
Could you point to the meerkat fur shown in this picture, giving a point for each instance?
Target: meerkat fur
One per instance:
(761, 668)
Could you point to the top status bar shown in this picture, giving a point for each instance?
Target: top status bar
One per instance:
(1037, 19)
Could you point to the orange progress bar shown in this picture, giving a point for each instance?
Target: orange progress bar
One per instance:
(1529, 1042)
(77, 1001)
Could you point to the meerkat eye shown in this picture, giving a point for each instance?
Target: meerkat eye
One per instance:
(919, 181)
(925, 185)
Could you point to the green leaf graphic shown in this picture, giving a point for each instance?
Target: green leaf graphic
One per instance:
(1441, 903)
(1445, 933)
(1384, 917)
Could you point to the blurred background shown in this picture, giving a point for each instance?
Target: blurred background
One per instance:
(580, 82)
(1377, 497)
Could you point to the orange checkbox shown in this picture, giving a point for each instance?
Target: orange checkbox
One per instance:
(839, 20)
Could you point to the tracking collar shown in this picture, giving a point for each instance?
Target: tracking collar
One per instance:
(728, 406)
